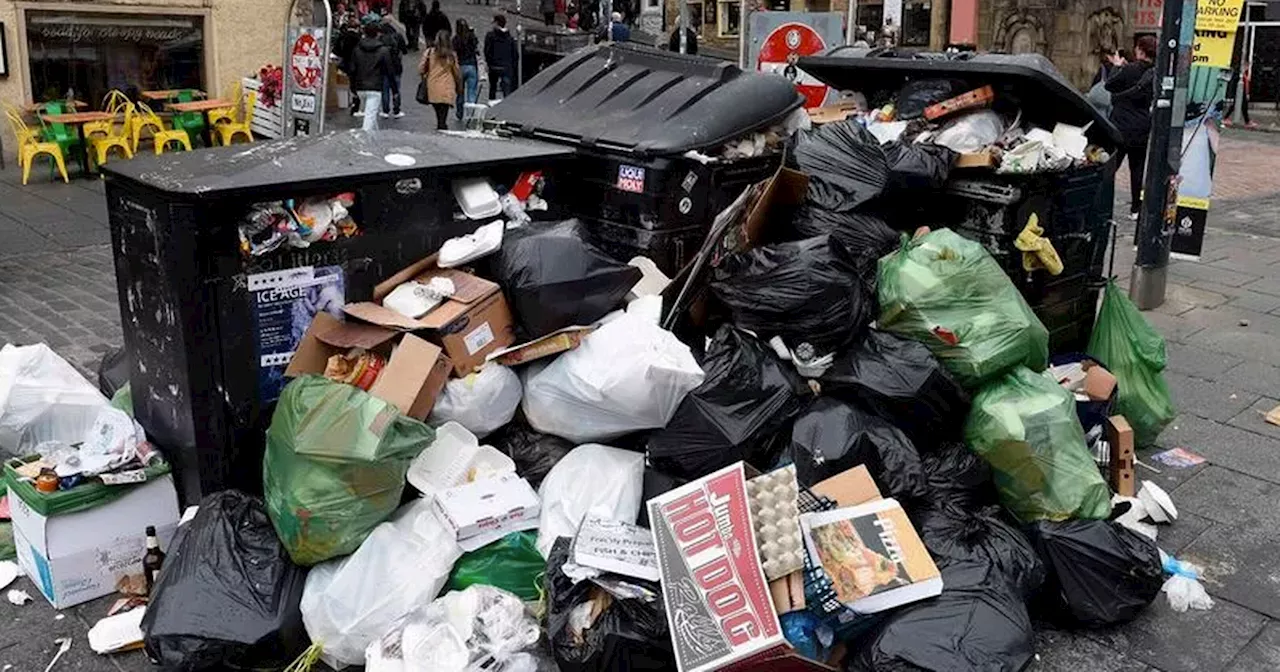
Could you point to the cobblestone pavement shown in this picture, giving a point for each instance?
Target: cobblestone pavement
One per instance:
(1221, 320)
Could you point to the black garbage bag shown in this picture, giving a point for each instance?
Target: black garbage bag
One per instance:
(958, 476)
(533, 452)
(627, 634)
(113, 371)
(1100, 573)
(914, 165)
(901, 381)
(845, 165)
(833, 436)
(954, 534)
(737, 413)
(655, 483)
(553, 278)
(977, 624)
(228, 596)
(866, 237)
(916, 96)
(806, 291)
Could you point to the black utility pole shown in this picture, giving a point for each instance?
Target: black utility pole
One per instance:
(1164, 154)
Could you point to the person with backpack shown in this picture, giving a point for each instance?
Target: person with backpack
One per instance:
(370, 66)
(439, 69)
(500, 55)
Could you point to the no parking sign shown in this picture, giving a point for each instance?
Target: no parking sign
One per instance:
(780, 39)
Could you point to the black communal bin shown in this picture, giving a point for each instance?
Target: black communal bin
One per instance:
(1074, 206)
(211, 328)
(637, 117)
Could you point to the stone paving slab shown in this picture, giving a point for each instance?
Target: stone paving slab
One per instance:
(1195, 641)
(1241, 564)
(1262, 654)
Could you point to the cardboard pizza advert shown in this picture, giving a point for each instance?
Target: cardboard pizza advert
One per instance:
(719, 607)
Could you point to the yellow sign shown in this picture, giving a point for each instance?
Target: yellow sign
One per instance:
(1220, 15)
(1212, 48)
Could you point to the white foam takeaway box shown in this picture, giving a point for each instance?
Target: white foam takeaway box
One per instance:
(77, 557)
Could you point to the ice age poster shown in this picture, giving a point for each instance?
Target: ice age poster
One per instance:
(284, 303)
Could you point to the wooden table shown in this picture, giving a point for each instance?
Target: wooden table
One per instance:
(169, 94)
(37, 107)
(79, 119)
(203, 107)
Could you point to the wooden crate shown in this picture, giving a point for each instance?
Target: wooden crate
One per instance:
(268, 122)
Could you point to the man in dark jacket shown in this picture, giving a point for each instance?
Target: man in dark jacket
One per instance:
(370, 66)
(396, 48)
(344, 47)
(1132, 88)
(412, 14)
(435, 22)
(500, 56)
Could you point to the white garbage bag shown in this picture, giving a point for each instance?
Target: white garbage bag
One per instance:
(43, 398)
(590, 480)
(482, 402)
(628, 375)
(349, 602)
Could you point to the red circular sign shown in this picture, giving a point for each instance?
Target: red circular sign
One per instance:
(780, 50)
(306, 62)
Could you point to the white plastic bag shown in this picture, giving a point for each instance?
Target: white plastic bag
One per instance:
(349, 602)
(479, 628)
(1185, 592)
(971, 131)
(482, 402)
(43, 398)
(590, 480)
(628, 375)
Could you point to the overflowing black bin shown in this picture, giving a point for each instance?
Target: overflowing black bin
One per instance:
(1074, 206)
(644, 122)
(210, 327)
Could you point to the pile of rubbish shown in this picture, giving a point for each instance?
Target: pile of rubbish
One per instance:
(826, 440)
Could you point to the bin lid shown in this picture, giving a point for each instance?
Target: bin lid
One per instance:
(1029, 80)
(639, 100)
(337, 159)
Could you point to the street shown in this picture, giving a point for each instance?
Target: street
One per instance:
(1221, 321)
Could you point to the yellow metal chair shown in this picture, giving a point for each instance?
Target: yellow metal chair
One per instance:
(227, 115)
(29, 147)
(114, 103)
(161, 137)
(102, 145)
(228, 132)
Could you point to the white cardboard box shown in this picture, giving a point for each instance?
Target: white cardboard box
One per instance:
(504, 502)
(76, 557)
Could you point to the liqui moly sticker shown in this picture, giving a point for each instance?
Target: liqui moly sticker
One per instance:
(631, 178)
(718, 603)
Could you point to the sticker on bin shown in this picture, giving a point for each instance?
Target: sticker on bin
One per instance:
(631, 178)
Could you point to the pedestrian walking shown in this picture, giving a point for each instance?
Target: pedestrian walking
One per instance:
(396, 49)
(1132, 89)
(467, 47)
(412, 14)
(344, 48)
(370, 66)
(548, 9)
(439, 69)
(1244, 73)
(500, 57)
(434, 22)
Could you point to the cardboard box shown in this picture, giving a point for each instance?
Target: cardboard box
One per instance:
(76, 557)
(553, 343)
(829, 113)
(1099, 383)
(415, 373)
(469, 326)
(849, 488)
(1120, 437)
(788, 593)
(984, 158)
(503, 503)
(707, 554)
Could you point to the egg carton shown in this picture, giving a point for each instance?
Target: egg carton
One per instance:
(774, 501)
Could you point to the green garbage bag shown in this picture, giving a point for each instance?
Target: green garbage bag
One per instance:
(1024, 424)
(512, 563)
(1134, 353)
(948, 293)
(8, 548)
(123, 399)
(334, 466)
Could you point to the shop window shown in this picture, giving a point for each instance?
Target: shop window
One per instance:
(915, 24)
(92, 53)
(730, 18)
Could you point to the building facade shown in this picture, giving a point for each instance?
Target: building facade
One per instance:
(50, 48)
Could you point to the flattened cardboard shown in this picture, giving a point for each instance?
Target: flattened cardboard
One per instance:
(850, 487)
(413, 378)
(553, 343)
(982, 158)
(788, 593)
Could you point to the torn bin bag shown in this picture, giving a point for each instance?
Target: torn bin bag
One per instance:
(736, 414)
(592, 630)
(805, 291)
(903, 383)
(553, 278)
(956, 534)
(833, 436)
(1100, 573)
(866, 237)
(845, 165)
(977, 624)
(228, 596)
